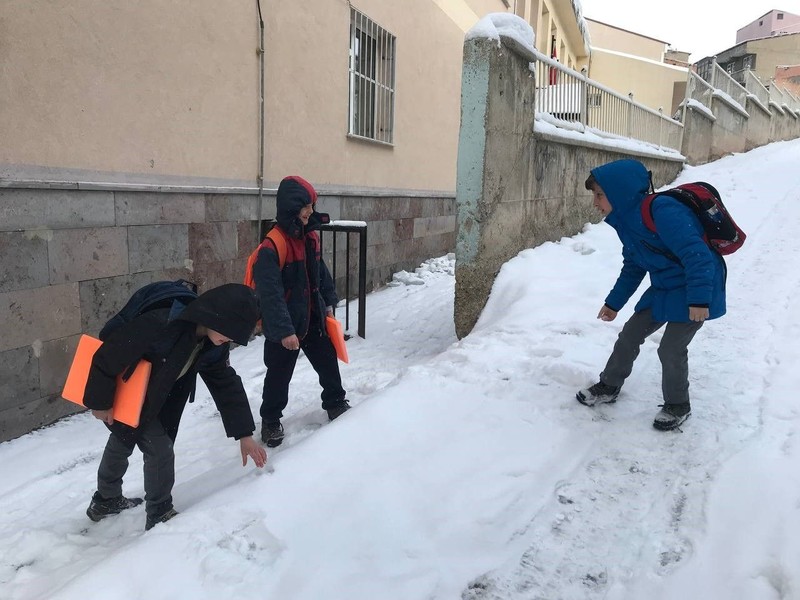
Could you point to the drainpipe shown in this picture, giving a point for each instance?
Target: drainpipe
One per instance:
(260, 176)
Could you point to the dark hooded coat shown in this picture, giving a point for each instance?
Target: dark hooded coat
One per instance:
(697, 278)
(289, 295)
(168, 343)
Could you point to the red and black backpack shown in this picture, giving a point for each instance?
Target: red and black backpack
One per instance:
(721, 232)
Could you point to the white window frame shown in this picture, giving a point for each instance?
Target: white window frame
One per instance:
(373, 52)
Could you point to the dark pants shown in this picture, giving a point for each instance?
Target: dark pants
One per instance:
(672, 351)
(280, 364)
(159, 467)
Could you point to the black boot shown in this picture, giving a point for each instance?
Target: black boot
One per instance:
(599, 393)
(338, 410)
(162, 516)
(100, 508)
(671, 416)
(272, 433)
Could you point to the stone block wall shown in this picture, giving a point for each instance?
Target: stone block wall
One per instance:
(72, 257)
(516, 188)
(757, 133)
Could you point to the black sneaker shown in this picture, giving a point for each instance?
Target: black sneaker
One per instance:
(671, 416)
(599, 393)
(100, 508)
(162, 518)
(338, 410)
(272, 433)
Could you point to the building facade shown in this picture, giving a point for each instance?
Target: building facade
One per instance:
(775, 22)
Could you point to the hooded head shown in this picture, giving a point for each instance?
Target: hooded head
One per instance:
(294, 193)
(230, 309)
(624, 182)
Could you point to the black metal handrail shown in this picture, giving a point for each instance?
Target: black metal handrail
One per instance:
(350, 228)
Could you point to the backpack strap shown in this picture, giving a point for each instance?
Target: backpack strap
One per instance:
(278, 241)
(647, 212)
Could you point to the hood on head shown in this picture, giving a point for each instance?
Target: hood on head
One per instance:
(230, 309)
(625, 182)
(294, 193)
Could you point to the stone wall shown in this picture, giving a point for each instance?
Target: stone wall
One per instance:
(72, 257)
(727, 135)
(516, 188)
(757, 132)
(698, 126)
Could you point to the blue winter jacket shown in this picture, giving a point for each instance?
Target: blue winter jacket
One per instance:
(683, 270)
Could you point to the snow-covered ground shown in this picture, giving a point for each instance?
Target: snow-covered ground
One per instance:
(466, 469)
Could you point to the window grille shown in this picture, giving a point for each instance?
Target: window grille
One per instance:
(372, 79)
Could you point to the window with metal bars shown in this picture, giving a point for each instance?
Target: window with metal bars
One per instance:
(372, 60)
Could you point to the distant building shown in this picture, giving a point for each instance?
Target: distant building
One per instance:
(775, 22)
(761, 56)
(677, 58)
(788, 78)
(631, 62)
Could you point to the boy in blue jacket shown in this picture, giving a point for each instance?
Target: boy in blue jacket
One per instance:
(687, 286)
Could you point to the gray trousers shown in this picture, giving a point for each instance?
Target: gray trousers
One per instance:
(672, 351)
(159, 467)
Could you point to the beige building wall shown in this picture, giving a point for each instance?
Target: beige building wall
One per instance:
(308, 92)
(148, 87)
(773, 52)
(556, 19)
(608, 37)
(154, 91)
(652, 83)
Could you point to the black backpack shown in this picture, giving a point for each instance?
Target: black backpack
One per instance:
(159, 294)
(721, 232)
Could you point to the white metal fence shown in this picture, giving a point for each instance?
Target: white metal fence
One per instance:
(723, 82)
(784, 98)
(570, 96)
(756, 88)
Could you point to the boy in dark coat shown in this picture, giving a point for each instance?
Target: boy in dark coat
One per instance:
(179, 347)
(687, 286)
(294, 303)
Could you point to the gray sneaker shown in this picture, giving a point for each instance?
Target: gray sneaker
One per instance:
(672, 416)
(599, 393)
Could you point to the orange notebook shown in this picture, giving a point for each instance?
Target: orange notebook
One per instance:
(128, 399)
(336, 334)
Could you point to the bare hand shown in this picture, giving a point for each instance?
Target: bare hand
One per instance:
(698, 313)
(291, 342)
(253, 449)
(107, 416)
(606, 314)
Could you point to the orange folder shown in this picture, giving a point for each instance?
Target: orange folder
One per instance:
(129, 397)
(336, 334)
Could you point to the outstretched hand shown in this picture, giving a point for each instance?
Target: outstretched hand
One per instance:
(253, 449)
(606, 314)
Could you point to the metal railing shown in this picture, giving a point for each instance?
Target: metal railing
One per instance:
(754, 86)
(783, 97)
(348, 228)
(720, 80)
(570, 96)
(699, 89)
